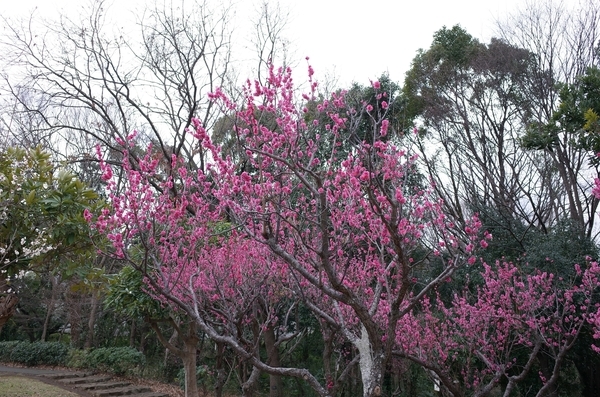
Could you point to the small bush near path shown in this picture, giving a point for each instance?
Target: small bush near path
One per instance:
(117, 360)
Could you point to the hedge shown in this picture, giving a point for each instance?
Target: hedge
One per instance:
(34, 353)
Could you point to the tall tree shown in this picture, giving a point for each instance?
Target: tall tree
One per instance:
(563, 42)
(41, 216)
(81, 82)
(470, 99)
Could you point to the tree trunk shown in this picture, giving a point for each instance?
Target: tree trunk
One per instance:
(275, 383)
(371, 365)
(249, 386)
(219, 367)
(187, 354)
(189, 365)
(50, 308)
(132, 332)
(327, 335)
(546, 368)
(172, 341)
(89, 340)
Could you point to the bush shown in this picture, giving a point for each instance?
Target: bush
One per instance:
(118, 360)
(78, 359)
(6, 348)
(36, 353)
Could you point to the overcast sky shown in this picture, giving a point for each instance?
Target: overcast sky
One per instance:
(355, 40)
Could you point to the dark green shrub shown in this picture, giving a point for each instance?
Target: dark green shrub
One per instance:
(36, 353)
(118, 360)
(78, 358)
(51, 353)
(6, 348)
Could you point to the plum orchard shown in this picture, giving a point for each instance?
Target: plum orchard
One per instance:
(345, 233)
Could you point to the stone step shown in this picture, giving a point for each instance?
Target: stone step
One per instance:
(86, 379)
(121, 391)
(67, 375)
(102, 385)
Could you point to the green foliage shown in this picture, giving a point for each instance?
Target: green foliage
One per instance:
(78, 358)
(454, 46)
(116, 360)
(553, 250)
(126, 294)
(6, 348)
(577, 115)
(458, 74)
(34, 353)
(41, 211)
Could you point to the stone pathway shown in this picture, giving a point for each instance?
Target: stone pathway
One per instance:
(87, 383)
(101, 385)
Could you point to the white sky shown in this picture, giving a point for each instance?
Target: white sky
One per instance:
(355, 40)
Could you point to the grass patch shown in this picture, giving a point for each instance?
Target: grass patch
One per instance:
(15, 386)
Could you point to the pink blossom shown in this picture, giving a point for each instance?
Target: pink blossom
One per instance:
(596, 188)
(384, 127)
(87, 215)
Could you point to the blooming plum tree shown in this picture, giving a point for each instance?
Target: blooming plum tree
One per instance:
(344, 233)
(498, 332)
(194, 262)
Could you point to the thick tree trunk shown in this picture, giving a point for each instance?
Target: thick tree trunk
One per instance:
(172, 341)
(132, 332)
(187, 354)
(249, 386)
(327, 334)
(189, 366)
(371, 366)
(589, 372)
(546, 368)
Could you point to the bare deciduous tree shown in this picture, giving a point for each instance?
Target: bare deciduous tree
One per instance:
(85, 84)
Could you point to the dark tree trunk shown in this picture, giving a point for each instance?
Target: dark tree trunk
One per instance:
(220, 368)
(275, 383)
(132, 332)
(89, 340)
(54, 282)
(546, 368)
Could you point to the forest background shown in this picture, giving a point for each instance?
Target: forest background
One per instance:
(435, 235)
